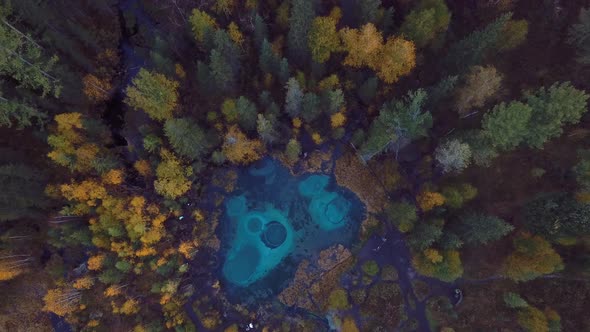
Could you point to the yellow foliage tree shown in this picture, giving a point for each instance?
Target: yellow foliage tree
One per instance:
(433, 255)
(172, 176)
(114, 176)
(532, 257)
(235, 34)
(447, 269)
(61, 301)
(532, 319)
(95, 262)
(337, 120)
(96, 89)
(363, 46)
(428, 200)
(143, 167)
(85, 282)
(348, 325)
(395, 59)
(239, 149)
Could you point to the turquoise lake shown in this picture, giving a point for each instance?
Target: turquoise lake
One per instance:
(273, 220)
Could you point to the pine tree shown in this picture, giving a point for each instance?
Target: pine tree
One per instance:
(506, 126)
(247, 113)
(300, 21)
(579, 36)
(186, 137)
(294, 98)
(476, 228)
(553, 108)
(293, 150)
(266, 129)
(22, 193)
(310, 107)
(473, 49)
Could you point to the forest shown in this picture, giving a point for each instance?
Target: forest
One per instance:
(294, 165)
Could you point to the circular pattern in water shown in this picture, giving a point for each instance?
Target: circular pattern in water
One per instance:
(274, 234)
(255, 225)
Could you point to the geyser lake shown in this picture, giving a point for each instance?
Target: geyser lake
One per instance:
(273, 220)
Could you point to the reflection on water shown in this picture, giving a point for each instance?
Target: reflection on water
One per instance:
(273, 220)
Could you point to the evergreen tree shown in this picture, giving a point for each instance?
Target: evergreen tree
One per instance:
(22, 193)
(247, 113)
(260, 30)
(506, 126)
(266, 129)
(476, 228)
(300, 21)
(294, 98)
(368, 90)
(19, 114)
(310, 107)
(579, 36)
(557, 215)
(186, 137)
(267, 60)
(399, 122)
(553, 108)
(425, 234)
(473, 49)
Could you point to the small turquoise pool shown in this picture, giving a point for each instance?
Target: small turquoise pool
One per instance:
(273, 220)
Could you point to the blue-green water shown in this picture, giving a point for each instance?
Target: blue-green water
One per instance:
(273, 220)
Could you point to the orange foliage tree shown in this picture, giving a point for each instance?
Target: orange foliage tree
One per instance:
(239, 149)
(428, 200)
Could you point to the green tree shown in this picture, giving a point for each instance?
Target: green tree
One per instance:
(556, 215)
(514, 301)
(19, 114)
(403, 215)
(579, 36)
(300, 21)
(260, 30)
(425, 234)
(553, 108)
(426, 21)
(310, 107)
(368, 90)
(506, 126)
(293, 150)
(399, 122)
(266, 129)
(294, 98)
(267, 60)
(186, 137)
(22, 59)
(582, 170)
(474, 48)
(477, 228)
(323, 39)
(22, 193)
(154, 94)
(247, 113)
